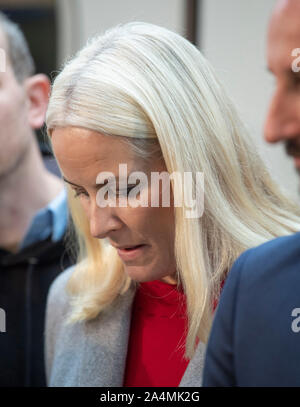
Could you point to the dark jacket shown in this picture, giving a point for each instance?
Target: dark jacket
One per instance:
(25, 278)
(255, 338)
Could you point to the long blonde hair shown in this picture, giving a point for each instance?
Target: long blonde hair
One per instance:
(139, 81)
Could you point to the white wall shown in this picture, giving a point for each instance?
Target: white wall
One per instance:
(233, 37)
(99, 15)
(80, 19)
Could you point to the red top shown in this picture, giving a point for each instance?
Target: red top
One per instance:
(156, 345)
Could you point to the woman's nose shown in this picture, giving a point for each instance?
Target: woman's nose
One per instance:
(103, 221)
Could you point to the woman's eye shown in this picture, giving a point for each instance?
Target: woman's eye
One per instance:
(297, 81)
(119, 193)
(79, 192)
(124, 192)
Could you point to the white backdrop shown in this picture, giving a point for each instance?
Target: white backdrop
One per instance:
(80, 19)
(233, 38)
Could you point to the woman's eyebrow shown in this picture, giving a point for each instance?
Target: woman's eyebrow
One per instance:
(96, 185)
(79, 186)
(69, 182)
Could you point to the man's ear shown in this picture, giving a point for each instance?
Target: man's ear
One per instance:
(37, 89)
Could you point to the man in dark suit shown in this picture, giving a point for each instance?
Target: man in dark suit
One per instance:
(255, 338)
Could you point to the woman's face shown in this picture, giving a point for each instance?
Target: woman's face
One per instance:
(82, 155)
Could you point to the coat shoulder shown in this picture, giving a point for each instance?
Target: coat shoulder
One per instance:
(57, 293)
(270, 259)
(253, 319)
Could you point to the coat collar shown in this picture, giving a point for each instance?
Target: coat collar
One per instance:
(105, 364)
(93, 353)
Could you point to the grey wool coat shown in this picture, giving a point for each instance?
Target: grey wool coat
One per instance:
(93, 353)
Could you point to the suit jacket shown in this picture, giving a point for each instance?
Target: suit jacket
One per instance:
(93, 353)
(255, 338)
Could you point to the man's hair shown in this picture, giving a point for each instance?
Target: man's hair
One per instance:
(17, 49)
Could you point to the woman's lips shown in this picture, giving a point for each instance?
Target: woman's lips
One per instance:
(131, 254)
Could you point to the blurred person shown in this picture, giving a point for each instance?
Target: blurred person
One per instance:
(283, 41)
(136, 308)
(33, 214)
(255, 335)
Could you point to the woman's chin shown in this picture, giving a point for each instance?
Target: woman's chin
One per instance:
(144, 274)
(140, 274)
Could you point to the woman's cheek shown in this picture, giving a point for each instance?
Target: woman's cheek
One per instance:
(85, 203)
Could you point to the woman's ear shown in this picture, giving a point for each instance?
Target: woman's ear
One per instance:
(37, 90)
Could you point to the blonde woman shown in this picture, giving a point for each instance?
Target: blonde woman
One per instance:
(137, 307)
